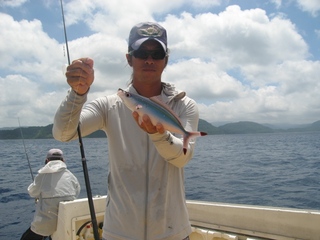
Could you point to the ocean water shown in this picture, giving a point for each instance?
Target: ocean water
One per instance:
(280, 169)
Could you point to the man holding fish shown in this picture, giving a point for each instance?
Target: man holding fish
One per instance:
(151, 128)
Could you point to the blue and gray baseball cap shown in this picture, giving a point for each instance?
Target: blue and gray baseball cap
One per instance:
(147, 31)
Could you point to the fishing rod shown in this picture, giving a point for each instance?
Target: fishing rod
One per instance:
(25, 150)
(84, 161)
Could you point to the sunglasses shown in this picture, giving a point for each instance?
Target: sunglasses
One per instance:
(144, 54)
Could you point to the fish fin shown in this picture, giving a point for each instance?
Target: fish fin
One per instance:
(188, 136)
(203, 133)
(158, 101)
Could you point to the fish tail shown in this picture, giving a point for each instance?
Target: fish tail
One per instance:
(188, 136)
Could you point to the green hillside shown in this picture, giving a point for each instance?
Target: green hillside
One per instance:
(242, 127)
(38, 133)
(204, 126)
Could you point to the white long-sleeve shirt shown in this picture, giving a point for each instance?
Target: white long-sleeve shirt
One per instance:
(53, 184)
(146, 194)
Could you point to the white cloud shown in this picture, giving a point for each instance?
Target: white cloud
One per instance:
(24, 99)
(12, 3)
(237, 64)
(27, 49)
(235, 38)
(277, 3)
(203, 80)
(204, 4)
(312, 6)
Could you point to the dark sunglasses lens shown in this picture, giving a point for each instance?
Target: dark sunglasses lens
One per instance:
(143, 54)
(158, 55)
(140, 54)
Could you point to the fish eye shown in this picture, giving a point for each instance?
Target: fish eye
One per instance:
(127, 94)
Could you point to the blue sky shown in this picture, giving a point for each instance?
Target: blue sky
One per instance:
(240, 60)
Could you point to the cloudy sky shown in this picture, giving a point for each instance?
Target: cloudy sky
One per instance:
(240, 60)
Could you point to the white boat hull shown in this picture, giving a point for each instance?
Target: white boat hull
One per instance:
(210, 221)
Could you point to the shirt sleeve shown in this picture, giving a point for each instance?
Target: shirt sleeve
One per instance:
(67, 117)
(169, 146)
(34, 188)
(70, 115)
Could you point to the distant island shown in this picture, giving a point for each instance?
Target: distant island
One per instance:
(242, 127)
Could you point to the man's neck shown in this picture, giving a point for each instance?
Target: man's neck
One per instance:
(147, 90)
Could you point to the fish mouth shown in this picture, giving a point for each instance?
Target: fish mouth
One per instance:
(122, 92)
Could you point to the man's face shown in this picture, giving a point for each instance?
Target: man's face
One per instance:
(146, 66)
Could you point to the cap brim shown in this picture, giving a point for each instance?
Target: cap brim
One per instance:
(137, 44)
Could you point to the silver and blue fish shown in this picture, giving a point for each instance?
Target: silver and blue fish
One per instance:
(158, 112)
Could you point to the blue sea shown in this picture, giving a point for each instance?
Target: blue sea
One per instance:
(278, 169)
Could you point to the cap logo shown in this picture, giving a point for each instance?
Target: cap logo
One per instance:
(152, 31)
(147, 31)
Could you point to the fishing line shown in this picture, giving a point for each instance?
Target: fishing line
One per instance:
(84, 161)
(65, 32)
(25, 150)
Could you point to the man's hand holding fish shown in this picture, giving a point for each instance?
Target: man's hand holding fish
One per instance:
(146, 124)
